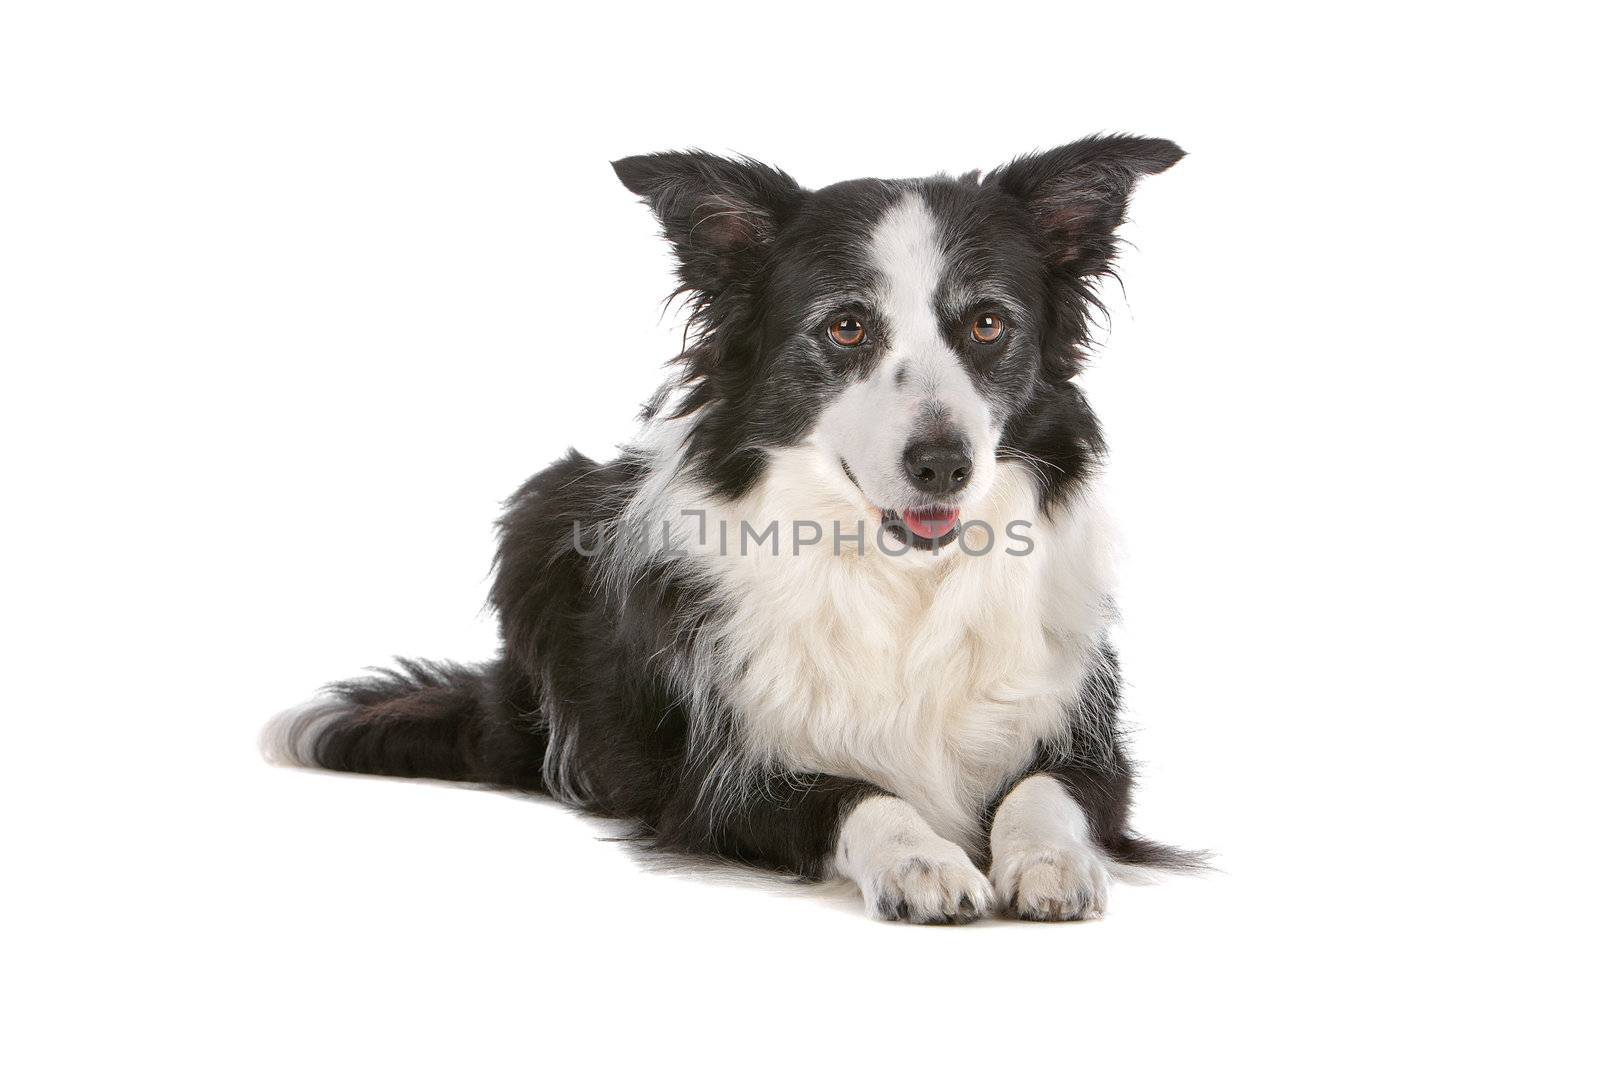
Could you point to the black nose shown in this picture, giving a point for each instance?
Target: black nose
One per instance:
(941, 466)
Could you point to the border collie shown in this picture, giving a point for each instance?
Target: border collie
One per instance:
(841, 609)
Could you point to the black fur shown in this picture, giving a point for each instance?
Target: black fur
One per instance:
(584, 659)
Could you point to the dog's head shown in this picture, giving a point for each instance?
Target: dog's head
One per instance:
(919, 332)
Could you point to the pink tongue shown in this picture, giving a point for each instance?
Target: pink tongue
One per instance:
(931, 523)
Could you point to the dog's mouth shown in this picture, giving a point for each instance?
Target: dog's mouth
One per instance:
(924, 528)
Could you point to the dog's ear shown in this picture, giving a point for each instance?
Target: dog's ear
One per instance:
(720, 214)
(1079, 192)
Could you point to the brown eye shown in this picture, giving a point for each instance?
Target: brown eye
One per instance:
(847, 333)
(987, 329)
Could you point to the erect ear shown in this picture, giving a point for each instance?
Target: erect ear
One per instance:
(1079, 193)
(719, 214)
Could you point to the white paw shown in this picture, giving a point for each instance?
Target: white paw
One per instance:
(905, 870)
(929, 889)
(1052, 884)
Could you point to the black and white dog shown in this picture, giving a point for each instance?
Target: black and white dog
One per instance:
(842, 608)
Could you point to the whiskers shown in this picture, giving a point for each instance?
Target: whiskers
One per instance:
(1036, 467)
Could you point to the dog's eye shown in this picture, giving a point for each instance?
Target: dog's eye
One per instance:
(847, 333)
(987, 329)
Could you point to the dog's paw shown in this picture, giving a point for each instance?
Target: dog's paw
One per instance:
(906, 871)
(932, 889)
(1052, 884)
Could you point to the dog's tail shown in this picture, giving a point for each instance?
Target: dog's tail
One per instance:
(1138, 859)
(419, 720)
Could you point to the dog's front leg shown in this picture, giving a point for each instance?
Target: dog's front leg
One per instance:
(820, 825)
(1046, 865)
(904, 869)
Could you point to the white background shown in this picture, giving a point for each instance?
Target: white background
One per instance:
(291, 295)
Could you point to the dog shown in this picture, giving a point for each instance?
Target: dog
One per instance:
(842, 607)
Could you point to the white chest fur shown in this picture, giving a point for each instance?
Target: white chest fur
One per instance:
(935, 678)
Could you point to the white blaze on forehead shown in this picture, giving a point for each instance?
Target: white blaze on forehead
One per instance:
(907, 250)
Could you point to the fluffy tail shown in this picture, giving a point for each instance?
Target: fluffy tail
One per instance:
(418, 720)
(1139, 859)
